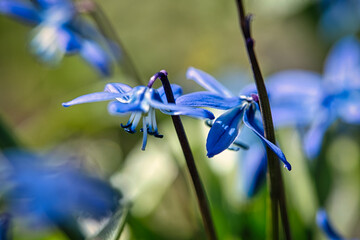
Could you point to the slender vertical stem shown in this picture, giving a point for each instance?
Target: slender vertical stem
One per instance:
(108, 31)
(190, 162)
(277, 192)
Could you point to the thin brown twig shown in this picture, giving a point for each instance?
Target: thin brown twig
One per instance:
(277, 192)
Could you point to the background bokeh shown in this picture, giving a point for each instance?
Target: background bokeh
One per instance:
(174, 35)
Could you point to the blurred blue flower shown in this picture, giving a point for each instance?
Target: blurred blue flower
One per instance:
(60, 30)
(52, 191)
(307, 100)
(141, 102)
(339, 18)
(324, 224)
(253, 164)
(240, 109)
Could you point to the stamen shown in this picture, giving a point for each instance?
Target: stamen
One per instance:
(209, 122)
(157, 135)
(144, 134)
(233, 148)
(153, 119)
(135, 121)
(241, 145)
(125, 126)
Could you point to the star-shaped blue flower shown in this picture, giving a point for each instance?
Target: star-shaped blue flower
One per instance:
(141, 102)
(51, 191)
(315, 102)
(60, 31)
(240, 110)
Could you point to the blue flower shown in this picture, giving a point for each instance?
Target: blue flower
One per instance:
(324, 224)
(240, 110)
(49, 190)
(141, 102)
(60, 30)
(308, 100)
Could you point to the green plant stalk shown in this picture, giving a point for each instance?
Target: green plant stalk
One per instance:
(276, 186)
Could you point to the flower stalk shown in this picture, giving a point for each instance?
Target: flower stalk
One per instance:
(190, 162)
(276, 186)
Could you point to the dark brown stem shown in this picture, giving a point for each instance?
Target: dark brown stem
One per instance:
(277, 192)
(190, 162)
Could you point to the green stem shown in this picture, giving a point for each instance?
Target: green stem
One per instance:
(190, 162)
(277, 192)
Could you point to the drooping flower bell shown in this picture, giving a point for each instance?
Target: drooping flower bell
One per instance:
(60, 30)
(140, 102)
(240, 110)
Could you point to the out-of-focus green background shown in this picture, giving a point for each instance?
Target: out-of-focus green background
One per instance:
(174, 35)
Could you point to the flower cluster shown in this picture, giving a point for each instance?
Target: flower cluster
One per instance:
(308, 100)
(60, 30)
(240, 110)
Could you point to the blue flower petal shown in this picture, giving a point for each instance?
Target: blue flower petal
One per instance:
(224, 131)
(324, 224)
(250, 122)
(248, 89)
(20, 11)
(254, 165)
(68, 41)
(207, 81)
(349, 109)
(97, 57)
(177, 91)
(292, 115)
(50, 3)
(117, 88)
(342, 67)
(173, 109)
(293, 85)
(208, 99)
(93, 97)
(314, 137)
(118, 108)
